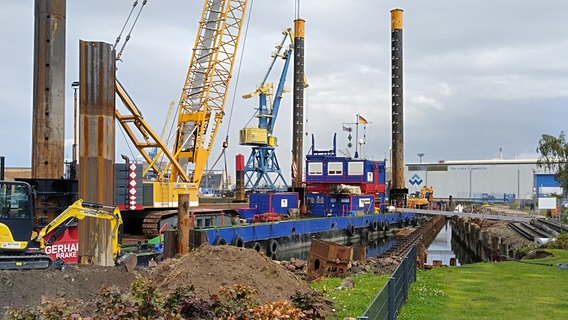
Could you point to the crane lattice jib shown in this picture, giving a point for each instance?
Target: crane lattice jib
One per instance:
(205, 90)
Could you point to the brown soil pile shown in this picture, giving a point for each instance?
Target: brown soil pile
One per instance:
(82, 282)
(210, 268)
(207, 269)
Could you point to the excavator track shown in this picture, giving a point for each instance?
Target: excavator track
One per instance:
(151, 222)
(153, 218)
(25, 262)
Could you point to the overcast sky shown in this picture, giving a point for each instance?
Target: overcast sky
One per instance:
(478, 75)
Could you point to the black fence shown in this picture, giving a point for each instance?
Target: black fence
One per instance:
(393, 295)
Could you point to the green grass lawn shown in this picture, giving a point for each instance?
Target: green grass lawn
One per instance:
(354, 301)
(503, 290)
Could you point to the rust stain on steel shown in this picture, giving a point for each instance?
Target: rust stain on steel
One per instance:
(183, 223)
(327, 258)
(48, 120)
(96, 148)
(298, 104)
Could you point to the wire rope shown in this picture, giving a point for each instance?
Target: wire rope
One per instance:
(119, 55)
(125, 23)
(226, 142)
(239, 68)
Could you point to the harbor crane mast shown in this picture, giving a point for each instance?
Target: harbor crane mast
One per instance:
(200, 110)
(262, 170)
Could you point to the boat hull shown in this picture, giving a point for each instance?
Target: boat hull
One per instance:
(270, 237)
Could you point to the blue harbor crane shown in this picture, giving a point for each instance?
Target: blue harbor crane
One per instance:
(262, 170)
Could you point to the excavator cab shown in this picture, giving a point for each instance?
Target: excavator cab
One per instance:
(23, 247)
(16, 216)
(17, 251)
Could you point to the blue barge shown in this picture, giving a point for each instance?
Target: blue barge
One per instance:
(272, 236)
(344, 201)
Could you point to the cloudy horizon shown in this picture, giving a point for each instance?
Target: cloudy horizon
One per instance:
(480, 82)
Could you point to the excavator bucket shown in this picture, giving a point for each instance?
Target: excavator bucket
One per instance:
(128, 260)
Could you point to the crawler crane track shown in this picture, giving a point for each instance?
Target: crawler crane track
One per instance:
(151, 222)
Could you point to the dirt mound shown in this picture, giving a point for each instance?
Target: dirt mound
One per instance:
(210, 268)
(207, 269)
(538, 254)
(82, 282)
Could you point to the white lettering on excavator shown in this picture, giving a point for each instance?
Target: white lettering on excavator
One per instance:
(63, 251)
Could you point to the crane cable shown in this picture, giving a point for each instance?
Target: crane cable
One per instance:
(239, 68)
(124, 26)
(119, 55)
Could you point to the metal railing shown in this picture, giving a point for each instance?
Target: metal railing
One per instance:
(393, 295)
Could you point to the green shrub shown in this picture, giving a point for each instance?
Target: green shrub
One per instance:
(561, 242)
(520, 252)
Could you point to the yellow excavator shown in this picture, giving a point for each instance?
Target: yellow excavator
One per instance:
(421, 200)
(23, 243)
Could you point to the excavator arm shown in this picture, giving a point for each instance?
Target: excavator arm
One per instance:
(79, 211)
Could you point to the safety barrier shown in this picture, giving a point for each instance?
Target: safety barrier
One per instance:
(393, 295)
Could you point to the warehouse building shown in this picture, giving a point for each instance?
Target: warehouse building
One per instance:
(482, 180)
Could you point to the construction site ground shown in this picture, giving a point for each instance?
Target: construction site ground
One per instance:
(500, 228)
(207, 269)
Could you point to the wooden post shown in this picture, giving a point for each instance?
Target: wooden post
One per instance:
(183, 223)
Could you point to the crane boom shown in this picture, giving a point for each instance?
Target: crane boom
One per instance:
(262, 170)
(201, 106)
(202, 102)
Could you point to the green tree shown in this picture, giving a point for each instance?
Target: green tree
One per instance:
(554, 157)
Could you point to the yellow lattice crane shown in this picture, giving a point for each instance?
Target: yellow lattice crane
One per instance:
(201, 106)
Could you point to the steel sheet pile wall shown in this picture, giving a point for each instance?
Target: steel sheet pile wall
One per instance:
(48, 128)
(97, 150)
(298, 108)
(398, 191)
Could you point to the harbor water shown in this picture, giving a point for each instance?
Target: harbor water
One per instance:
(448, 249)
(374, 247)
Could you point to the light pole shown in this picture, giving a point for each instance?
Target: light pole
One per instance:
(470, 169)
(75, 86)
(420, 154)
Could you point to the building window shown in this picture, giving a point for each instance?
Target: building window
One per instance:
(364, 202)
(315, 168)
(334, 168)
(355, 168)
